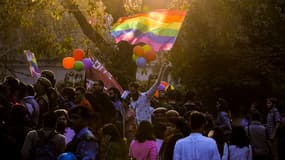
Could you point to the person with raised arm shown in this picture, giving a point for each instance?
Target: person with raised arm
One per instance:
(140, 101)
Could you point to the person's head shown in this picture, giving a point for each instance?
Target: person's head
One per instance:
(61, 120)
(197, 121)
(79, 117)
(49, 120)
(17, 114)
(114, 93)
(222, 104)
(134, 88)
(159, 115)
(271, 102)
(111, 131)
(98, 86)
(239, 137)
(171, 114)
(159, 130)
(52, 95)
(68, 93)
(50, 76)
(12, 84)
(79, 94)
(30, 91)
(144, 132)
(42, 85)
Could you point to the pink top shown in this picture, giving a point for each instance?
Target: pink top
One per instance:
(143, 151)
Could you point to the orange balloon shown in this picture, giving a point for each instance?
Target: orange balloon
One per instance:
(138, 51)
(156, 94)
(150, 56)
(68, 62)
(78, 54)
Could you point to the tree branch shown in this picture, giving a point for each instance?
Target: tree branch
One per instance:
(87, 29)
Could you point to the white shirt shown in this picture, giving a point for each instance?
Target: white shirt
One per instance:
(196, 147)
(142, 106)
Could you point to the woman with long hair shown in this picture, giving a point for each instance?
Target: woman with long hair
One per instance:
(144, 145)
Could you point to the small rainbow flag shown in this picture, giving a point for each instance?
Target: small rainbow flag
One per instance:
(33, 65)
(158, 28)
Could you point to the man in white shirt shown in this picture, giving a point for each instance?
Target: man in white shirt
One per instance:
(140, 102)
(196, 146)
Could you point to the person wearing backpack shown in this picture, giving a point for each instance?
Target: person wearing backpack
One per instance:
(45, 143)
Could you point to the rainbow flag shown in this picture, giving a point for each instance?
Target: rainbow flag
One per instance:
(158, 28)
(33, 65)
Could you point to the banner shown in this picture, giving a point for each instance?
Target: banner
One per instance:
(33, 65)
(99, 72)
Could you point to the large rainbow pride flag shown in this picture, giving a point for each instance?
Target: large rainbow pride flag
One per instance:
(158, 28)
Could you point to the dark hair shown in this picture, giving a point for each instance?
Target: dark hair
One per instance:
(30, 90)
(144, 132)
(45, 82)
(239, 137)
(50, 76)
(159, 129)
(82, 111)
(116, 91)
(223, 104)
(49, 119)
(68, 92)
(11, 82)
(21, 90)
(61, 112)
(134, 84)
(111, 130)
(197, 120)
(80, 89)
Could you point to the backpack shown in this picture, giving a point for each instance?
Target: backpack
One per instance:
(45, 149)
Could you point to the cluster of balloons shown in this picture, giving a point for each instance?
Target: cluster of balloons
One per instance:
(143, 54)
(77, 62)
(163, 86)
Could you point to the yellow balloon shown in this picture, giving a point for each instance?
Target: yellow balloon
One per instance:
(147, 48)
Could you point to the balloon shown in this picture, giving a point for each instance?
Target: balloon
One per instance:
(156, 94)
(138, 51)
(87, 63)
(150, 56)
(161, 87)
(147, 48)
(134, 57)
(141, 62)
(170, 87)
(68, 62)
(66, 156)
(78, 66)
(78, 54)
(165, 84)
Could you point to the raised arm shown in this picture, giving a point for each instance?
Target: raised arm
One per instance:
(153, 88)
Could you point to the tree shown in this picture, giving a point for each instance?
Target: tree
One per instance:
(231, 49)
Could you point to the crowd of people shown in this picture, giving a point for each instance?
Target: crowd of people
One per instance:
(48, 120)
